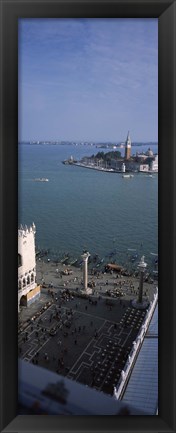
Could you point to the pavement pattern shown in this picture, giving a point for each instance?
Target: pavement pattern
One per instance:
(86, 339)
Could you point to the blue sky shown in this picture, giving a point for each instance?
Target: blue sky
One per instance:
(88, 79)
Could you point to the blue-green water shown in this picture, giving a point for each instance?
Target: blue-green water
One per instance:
(85, 209)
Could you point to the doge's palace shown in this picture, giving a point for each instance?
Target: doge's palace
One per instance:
(28, 291)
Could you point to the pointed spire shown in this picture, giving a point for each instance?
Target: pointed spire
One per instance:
(128, 140)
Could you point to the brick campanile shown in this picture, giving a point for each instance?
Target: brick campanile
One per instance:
(128, 147)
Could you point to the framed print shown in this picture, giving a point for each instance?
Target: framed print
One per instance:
(80, 334)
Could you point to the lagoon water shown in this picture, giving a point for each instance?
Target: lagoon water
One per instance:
(85, 209)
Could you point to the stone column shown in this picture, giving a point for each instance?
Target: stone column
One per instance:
(85, 257)
(142, 266)
(86, 289)
(140, 302)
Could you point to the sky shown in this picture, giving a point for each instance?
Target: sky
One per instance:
(88, 79)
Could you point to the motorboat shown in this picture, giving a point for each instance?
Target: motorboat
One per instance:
(41, 179)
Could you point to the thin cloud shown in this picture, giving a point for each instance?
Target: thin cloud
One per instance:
(99, 65)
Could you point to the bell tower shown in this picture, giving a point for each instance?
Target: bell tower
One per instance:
(128, 147)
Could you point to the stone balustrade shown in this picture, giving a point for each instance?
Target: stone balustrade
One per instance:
(136, 346)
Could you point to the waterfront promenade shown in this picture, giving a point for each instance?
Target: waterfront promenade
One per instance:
(52, 274)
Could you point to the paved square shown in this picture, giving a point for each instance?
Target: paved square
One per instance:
(87, 340)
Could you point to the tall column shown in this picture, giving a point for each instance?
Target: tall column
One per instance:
(85, 257)
(140, 302)
(142, 266)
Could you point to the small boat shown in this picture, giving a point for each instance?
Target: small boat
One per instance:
(41, 179)
(113, 253)
(134, 257)
(64, 261)
(95, 258)
(69, 161)
(42, 253)
(65, 258)
(73, 262)
(128, 176)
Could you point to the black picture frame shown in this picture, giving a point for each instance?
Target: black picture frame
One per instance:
(165, 11)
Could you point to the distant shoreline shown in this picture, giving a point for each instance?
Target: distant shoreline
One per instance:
(75, 143)
(112, 170)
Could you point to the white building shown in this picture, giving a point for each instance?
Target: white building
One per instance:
(148, 161)
(149, 152)
(28, 290)
(154, 164)
(144, 167)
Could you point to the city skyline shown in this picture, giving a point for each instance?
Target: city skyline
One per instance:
(88, 79)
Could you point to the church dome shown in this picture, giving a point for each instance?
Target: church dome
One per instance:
(149, 152)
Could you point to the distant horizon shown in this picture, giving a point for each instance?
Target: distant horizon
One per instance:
(86, 141)
(93, 78)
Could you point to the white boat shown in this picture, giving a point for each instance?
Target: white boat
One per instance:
(41, 179)
(128, 175)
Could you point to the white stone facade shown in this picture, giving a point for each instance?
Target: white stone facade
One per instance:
(26, 261)
(144, 167)
(154, 164)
